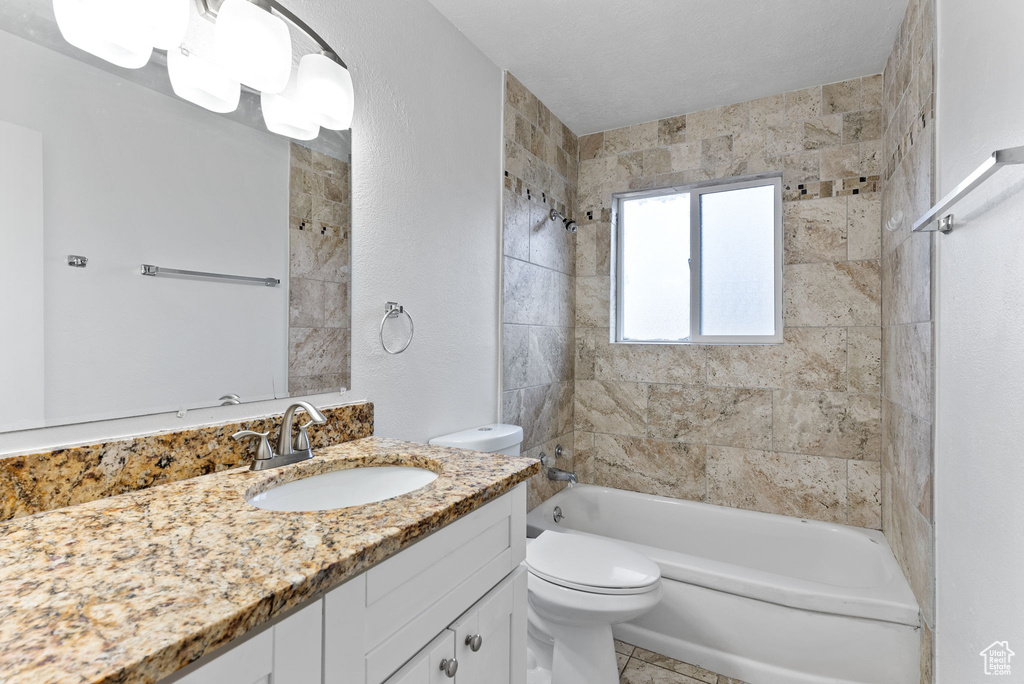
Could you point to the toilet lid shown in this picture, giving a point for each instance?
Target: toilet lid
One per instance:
(590, 564)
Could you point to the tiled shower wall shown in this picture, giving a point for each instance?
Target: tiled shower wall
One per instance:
(793, 428)
(539, 264)
(907, 310)
(319, 315)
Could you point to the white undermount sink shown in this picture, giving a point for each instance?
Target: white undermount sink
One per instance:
(343, 488)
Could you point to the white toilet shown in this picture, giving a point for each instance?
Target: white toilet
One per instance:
(578, 586)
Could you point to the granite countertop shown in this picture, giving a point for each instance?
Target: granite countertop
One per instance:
(134, 587)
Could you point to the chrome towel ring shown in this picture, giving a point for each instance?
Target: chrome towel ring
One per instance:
(394, 310)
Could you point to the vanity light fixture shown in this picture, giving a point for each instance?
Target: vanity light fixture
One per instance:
(326, 88)
(288, 115)
(202, 82)
(108, 29)
(253, 45)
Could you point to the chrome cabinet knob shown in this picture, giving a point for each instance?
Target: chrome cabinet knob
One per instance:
(450, 666)
(474, 641)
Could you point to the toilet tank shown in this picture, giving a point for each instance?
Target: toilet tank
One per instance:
(495, 439)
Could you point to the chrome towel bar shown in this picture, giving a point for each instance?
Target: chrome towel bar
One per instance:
(151, 270)
(999, 159)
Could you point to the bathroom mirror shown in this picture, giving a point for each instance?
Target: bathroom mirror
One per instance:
(103, 170)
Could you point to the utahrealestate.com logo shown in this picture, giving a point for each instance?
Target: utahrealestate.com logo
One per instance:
(997, 658)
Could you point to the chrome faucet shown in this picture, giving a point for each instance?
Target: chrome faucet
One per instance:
(559, 475)
(288, 450)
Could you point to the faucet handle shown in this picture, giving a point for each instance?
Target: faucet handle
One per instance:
(302, 439)
(263, 450)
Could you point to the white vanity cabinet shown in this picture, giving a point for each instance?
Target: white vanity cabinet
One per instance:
(457, 590)
(287, 652)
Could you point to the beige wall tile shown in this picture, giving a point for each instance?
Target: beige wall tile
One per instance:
(906, 275)
(785, 138)
(617, 141)
(907, 367)
(809, 359)
(643, 136)
(611, 407)
(591, 146)
(592, 301)
(657, 161)
(801, 167)
(803, 104)
(686, 155)
(907, 453)
(862, 126)
(864, 227)
(716, 153)
(672, 130)
(703, 124)
(872, 91)
(842, 294)
(645, 465)
(815, 230)
(841, 97)
(833, 424)
(823, 131)
(767, 111)
(734, 119)
(840, 162)
(658, 363)
(865, 494)
(711, 415)
(786, 484)
(865, 359)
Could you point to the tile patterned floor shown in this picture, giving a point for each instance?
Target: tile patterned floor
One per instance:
(639, 666)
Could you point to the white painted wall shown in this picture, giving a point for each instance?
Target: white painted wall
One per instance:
(426, 170)
(426, 225)
(979, 473)
(21, 276)
(133, 176)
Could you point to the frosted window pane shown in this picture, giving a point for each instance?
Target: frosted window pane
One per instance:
(655, 254)
(737, 243)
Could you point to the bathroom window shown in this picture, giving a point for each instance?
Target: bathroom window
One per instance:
(700, 264)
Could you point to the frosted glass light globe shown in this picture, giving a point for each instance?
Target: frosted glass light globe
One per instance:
(287, 115)
(167, 20)
(108, 29)
(326, 88)
(202, 82)
(253, 46)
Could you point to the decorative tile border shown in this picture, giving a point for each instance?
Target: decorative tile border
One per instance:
(44, 481)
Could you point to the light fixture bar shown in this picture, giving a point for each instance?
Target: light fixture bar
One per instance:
(210, 8)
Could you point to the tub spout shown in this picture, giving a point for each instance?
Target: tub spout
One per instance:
(559, 475)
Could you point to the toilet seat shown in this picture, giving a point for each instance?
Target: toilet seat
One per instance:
(590, 565)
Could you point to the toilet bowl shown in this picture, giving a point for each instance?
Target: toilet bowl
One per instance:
(579, 587)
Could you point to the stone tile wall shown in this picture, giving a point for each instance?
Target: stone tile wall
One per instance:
(319, 313)
(907, 310)
(539, 273)
(793, 428)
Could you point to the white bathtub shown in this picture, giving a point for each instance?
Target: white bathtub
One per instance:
(767, 599)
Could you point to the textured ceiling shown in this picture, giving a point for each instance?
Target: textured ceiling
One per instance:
(602, 64)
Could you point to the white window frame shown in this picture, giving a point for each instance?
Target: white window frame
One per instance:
(696, 191)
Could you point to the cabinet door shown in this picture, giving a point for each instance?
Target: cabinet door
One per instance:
(492, 627)
(289, 652)
(251, 662)
(298, 646)
(425, 666)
